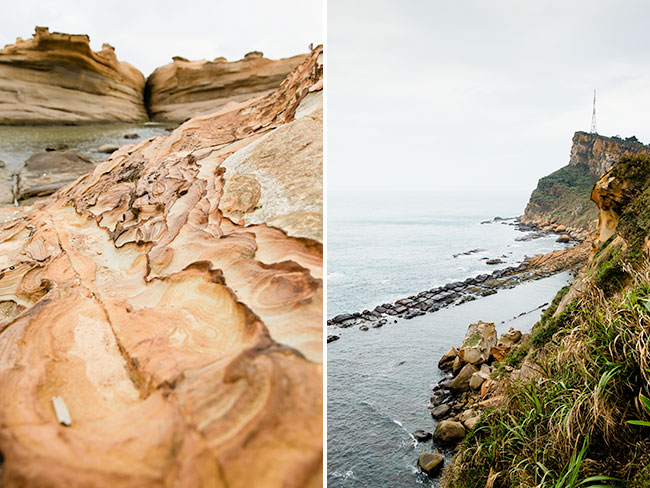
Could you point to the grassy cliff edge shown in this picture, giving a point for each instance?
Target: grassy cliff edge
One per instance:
(573, 411)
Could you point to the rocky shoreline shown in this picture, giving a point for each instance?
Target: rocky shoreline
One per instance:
(458, 400)
(459, 292)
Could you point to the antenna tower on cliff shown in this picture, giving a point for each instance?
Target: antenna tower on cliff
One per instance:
(593, 116)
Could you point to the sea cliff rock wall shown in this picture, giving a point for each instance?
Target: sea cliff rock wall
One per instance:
(55, 77)
(563, 197)
(159, 326)
(184, 88)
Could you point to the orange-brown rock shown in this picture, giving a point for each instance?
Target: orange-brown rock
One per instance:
(55, 77)
(183, 89)
(598, 153)
(186, 345)
(561, 259)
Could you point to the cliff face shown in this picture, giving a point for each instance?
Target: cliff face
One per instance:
(598, 153)
(172, 301)
(184, 89)
(564, 196)
(56, 77)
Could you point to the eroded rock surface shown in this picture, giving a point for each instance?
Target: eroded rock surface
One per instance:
(186, 346)
(184, 88)
(55, 77)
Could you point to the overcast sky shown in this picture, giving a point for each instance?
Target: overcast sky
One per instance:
(481, 94)
(148, 33)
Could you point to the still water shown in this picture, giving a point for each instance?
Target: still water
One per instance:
(18, 143)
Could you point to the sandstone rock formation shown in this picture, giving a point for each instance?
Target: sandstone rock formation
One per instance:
(598, 153)
(56, 77)
(564, 196)
(186, 346)
(184, 89)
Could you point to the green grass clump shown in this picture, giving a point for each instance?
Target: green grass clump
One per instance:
(568, 426)
(517, 354)
(472, 341)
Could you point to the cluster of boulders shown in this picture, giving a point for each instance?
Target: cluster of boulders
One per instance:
(540, 228)
(459, 399)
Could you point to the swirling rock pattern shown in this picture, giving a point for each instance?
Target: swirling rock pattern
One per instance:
(55, 77)
(173, 300)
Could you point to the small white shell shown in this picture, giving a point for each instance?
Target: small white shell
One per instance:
(61, 411)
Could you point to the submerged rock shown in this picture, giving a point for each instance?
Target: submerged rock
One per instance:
(422, 435)
(46, 172)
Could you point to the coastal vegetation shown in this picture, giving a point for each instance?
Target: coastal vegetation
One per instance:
(580, 416)
(564, 195)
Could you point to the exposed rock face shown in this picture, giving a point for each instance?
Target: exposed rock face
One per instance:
(56, 77)
(479, 340)
(598, 153)
(184, 89)
(564, 196)
(46, 172)
(186, 347)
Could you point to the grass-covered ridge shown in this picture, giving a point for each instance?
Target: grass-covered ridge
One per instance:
(570, 424)
(565, 194)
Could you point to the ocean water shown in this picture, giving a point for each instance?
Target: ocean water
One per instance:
(382, 247)
(18, 143)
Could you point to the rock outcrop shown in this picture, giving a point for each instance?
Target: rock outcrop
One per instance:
(564, 196)
(183, 347)
(184, 89)
(47, 171)
(58, 78)
(598, 153)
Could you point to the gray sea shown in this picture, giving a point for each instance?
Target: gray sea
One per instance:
(18, 143)
(387, 246)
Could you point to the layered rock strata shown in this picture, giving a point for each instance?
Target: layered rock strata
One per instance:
(184, 89)
(58, 78)
(185, 346)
